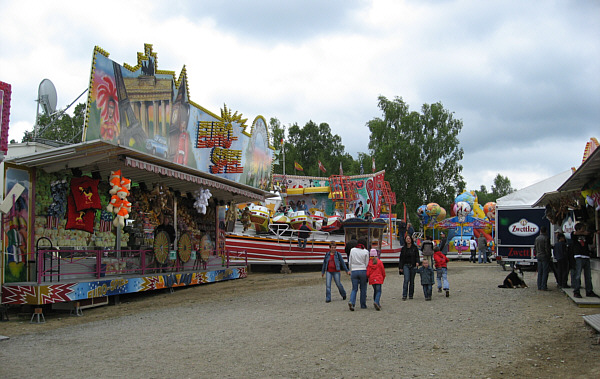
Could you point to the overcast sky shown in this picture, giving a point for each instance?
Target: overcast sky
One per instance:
(523, 76)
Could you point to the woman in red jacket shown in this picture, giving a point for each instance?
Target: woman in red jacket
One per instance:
(441, 265)
(376, 275)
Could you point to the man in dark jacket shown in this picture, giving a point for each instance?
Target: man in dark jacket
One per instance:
(543, 255)
(303, 235)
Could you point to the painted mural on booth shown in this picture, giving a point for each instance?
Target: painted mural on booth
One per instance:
(369, 196)
(57, 293)
(149, 110)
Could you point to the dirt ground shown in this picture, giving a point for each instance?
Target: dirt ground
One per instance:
(278, 325)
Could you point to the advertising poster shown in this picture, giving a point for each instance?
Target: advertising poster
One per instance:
(149, 110)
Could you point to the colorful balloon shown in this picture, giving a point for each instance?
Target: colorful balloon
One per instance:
(463, 209)
(490, 210)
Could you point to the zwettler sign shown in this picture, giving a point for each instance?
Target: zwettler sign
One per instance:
(517, 230)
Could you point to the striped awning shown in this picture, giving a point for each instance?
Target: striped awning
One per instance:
(161, 170)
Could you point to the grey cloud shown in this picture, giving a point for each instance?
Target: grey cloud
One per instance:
(272, 20)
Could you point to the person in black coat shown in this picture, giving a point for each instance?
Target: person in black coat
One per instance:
(409, 260)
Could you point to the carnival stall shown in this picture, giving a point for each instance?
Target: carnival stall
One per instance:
(123, 211)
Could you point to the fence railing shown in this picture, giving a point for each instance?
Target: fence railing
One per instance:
(68, 264)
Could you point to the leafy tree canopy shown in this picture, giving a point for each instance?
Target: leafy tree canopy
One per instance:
(65, 129)
(419, 151)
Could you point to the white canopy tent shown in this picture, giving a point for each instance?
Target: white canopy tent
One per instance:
(528, 196)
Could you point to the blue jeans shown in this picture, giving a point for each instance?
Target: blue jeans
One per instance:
(359, 278)
(583, 264)
(482, 258)
(376, 293)
(442, 276)
(427, 290)
(302, 243)
(543, 270)
(338, 283)
(409, 281)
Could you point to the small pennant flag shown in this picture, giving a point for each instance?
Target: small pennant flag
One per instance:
(341, 170)
(297, 166)
(321, 167)
(373, 164)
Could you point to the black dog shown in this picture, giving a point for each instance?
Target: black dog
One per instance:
(513, 281)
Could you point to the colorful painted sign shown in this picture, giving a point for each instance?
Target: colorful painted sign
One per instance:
(57, 293)
(149, 110)
(5, 93)
(17, 231)
(368, 188)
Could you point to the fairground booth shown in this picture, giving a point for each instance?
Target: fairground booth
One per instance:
(141, 203)
(578, 200)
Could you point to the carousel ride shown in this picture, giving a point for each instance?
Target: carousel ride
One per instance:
(468, 219)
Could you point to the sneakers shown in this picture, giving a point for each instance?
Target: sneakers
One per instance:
(591, 294)
(328, 301)
(439, 290)
(577, 295)
(351, 306)
(403, 299)
(447, 293)
(344, 297)
(427, 299)
(377, 306)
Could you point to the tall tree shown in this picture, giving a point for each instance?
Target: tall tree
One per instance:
(277, 135)
(65, 129)
(313, 143)
(419, 151)
(483, 196)
(501, 186)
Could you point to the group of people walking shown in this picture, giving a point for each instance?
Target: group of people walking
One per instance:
(364, 267)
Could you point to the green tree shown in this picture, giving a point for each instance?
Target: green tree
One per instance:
(483, 196)
(277, 135)
(501, 186)
(419, 151)
(313, 143)
(66, 129)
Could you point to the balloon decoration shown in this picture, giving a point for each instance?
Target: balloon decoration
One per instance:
(462, 208)
(490, 210)
(202, 196)
(422, 214)
(118, 204)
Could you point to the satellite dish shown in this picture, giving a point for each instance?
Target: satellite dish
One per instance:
(47, 96)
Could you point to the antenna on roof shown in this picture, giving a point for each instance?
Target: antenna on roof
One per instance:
(47, 98)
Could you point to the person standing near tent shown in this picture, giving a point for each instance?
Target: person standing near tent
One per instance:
(581, 242)
(543, 255)
(482, 246)
(473, 248)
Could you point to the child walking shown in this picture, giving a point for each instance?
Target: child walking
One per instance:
(441, 266)
(376, 275)
(427, 278)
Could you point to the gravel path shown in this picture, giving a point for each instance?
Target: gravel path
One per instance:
(276, 325)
